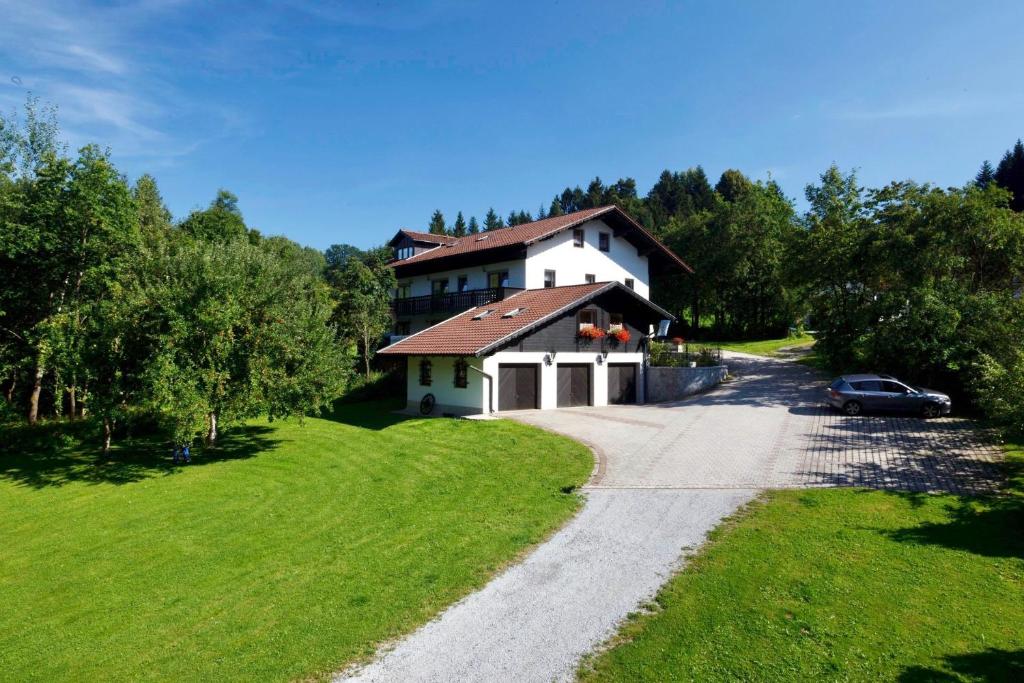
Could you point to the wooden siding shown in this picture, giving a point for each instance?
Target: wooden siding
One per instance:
(560, 334)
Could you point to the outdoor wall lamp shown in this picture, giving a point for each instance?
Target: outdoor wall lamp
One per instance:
(548, 359)
(600, 359)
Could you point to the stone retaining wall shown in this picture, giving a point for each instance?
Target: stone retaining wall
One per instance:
(672, 384)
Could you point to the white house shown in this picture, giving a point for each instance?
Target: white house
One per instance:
(545, 314)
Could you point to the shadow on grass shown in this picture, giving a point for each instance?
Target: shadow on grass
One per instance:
(55, 454)
(989, 526)
(990, 665)
(375, 415)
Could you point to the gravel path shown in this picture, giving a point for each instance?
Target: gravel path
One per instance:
(668, 474)
(536, 620)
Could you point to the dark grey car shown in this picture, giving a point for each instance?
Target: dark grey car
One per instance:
(854, 394)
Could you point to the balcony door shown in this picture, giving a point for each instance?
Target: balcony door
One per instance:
(497, 279)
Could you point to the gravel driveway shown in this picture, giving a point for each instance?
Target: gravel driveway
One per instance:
(667, 474)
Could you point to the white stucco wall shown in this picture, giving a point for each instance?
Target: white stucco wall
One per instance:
(477, 277)
(571, 264)
(450, 398)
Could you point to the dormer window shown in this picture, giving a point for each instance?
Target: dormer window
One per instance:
(404, 252)
(577, 238)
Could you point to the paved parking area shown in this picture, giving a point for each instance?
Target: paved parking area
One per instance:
(769, 429)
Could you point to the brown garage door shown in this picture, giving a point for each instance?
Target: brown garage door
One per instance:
(573, 385)
(622, 383)
(517, 387)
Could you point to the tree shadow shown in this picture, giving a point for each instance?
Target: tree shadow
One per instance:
(55, 454)
(374, 415)
(990, 526)
(991, 664)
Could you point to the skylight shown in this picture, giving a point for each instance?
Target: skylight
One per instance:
(513, 313)
(481, 238)
(483, 314)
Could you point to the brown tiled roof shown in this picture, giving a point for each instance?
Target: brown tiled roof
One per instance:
(423, 237)
(528, 233)
(463, 336)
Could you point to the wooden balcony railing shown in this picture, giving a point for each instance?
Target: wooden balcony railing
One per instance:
(450, 302)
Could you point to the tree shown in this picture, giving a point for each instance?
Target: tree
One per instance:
(556, 208)
(363, 314)
(221, 221)
(474, 227)
(1010, 175)
(437, 226)
(986, 175)
(732, 185)
(153, 214)
(542, 212)
(492, 221)
(519, 218)
(459, 229)
(231, 331)
(337, 257)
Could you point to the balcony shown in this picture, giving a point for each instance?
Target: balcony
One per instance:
(450, 302)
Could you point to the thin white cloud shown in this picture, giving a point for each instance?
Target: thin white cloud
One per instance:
(958, 105)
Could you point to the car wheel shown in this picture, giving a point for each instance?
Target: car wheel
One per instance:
(852, 408)
(930, 410)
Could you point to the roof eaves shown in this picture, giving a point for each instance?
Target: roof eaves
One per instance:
(415, 334)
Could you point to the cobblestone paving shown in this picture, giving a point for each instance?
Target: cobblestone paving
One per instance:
(770, 429)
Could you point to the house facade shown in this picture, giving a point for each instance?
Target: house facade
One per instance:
(547, 314)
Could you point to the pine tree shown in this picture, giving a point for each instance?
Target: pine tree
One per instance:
(556, 208)
(154, 217)
(474, 227)
(541, 213)
(459, 229)
(437, 226)
(492, 221)
(1010, 175)
(986, 176)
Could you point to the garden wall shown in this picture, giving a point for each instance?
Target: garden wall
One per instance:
(672, 384)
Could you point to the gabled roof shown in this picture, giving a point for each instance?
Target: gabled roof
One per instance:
(461, 335)
(529, 233)
(428, 237)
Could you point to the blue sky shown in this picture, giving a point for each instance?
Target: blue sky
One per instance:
(342, 122)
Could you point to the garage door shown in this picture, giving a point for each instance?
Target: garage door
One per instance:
(517, 387)
(573, 385)
(622, 383)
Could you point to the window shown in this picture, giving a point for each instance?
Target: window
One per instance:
(461, 373)
(586, 318)
(463, 285)
(498, 278)
(549, 278)
(590, 278)
(513, 313)
(603, 241)
(424, 373)
(403, 290)
(630, 283)
(402, 327)
(894, 388)
(438, 287)
(404, 252)
(615, 321)
(870, 385)
(483, 314)
(577, 238)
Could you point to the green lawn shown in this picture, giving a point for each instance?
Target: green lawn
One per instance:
(761, 347)
(842, 584)
(289, 553)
